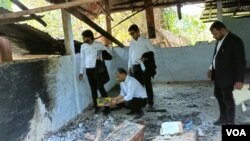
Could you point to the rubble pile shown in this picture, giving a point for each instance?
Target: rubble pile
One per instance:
(192, 104)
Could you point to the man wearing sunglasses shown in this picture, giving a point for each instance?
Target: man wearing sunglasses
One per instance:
(141, 62)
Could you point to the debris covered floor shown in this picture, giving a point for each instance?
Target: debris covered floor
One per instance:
(185, 102)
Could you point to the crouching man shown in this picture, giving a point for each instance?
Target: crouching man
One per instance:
(132, 96)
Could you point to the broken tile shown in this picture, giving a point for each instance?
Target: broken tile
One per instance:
(171, 128)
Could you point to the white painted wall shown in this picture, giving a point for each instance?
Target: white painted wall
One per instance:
(178, 64)
(183, 63)
(62, 91)
(173, 64)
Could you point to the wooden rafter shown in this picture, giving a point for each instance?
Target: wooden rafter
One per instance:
(45, 8)
(166, 4)
(23, 7)
(104, 11)
(92, 24)
(19, 19)
(84, 11)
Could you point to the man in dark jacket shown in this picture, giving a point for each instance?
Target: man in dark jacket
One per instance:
(227, 70)
(93, 54)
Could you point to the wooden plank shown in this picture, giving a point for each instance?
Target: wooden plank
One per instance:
(150, 19)
(84, 11)
(86, 20)
(104, 10)
(45, 8)
(179, 11)
(128, 131)
(127, 2)
(19, 19)
(108, 20)
(23, 7)
(164, 4)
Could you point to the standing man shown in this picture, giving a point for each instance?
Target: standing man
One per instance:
(132, 96)
(227, 70)
(141, 62)
(92, 57)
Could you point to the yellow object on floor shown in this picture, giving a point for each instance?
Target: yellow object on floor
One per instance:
(103, 102)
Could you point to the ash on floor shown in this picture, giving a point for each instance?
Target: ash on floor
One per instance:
(185, 102)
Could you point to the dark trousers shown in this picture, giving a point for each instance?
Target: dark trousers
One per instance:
(226, 103)
(145, 79)
(136, 104)
(94, 85)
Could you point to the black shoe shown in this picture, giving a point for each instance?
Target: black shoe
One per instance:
(106, 112)
(130, 113)
(230, 123)
(139, 115)
(220, 122)
(115, 108)
(97, 111)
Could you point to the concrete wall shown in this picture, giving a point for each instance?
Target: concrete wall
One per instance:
(40, 96)
(20, 84)
(45, 94)
(184, 63)
(178, 64)
(241, 28)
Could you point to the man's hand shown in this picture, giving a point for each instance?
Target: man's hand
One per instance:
(113, 102)
(238, 85)
(80, 76)
(209, 74)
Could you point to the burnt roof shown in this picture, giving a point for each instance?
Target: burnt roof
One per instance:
(32, 39)
(93, 10)
(233, 8)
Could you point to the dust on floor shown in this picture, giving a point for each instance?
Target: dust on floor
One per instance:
(190, 102)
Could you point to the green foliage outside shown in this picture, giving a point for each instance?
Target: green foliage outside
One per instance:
(5, 4)
(189, 26)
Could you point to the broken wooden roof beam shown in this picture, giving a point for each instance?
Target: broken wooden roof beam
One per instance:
(23, 7)
(19, 19)
(45, 9)
(92, 24)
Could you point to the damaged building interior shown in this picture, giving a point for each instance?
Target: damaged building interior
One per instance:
(42, 98)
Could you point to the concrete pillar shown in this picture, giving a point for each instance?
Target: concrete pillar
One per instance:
(68, 34)
(219, 11)
(70, 50)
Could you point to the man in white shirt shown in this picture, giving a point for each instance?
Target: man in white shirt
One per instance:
(141, 61)
(227, 70)
(92, 58)
(132, 95)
